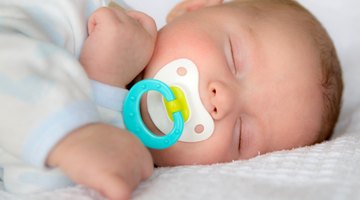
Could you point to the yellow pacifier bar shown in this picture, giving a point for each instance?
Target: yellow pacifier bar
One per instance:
(179, 104)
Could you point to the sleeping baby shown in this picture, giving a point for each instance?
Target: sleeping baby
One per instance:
(268, 76)
(264, 75)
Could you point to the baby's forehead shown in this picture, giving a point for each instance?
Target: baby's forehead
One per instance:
(273, 9)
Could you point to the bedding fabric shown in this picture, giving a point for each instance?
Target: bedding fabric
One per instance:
(330, 170)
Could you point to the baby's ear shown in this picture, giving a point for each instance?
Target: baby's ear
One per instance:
(190, 5)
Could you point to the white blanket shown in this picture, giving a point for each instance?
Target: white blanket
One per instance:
(330, 170)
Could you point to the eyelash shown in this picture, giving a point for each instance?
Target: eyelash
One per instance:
(233, 69)
(240, 132)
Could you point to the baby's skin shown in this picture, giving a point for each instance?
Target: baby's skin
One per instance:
(108, 159)
(253, 82)
(260, 78)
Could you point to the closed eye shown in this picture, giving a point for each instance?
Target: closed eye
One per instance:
(233, 67)
(237, 134)
(240, 128)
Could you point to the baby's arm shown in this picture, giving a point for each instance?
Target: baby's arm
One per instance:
(110, 160)
(118, 48)
(45, 96)
(119, 45)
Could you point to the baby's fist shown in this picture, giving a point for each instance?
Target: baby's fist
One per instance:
(105, 158)
(119, 46)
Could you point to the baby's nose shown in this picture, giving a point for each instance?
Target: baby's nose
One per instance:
(221, 99)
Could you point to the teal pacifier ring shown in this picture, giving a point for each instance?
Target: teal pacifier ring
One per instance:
(135, 124)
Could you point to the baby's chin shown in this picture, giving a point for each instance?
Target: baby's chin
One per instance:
(161, 159)
(150, 70)
(170, 157)
(186, 153)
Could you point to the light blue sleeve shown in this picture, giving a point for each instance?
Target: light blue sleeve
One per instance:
(109, 100)
(44, 91)
(55, 127)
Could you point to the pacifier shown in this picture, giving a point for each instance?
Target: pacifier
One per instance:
(183, 78)
(174, 106)
(134, 123)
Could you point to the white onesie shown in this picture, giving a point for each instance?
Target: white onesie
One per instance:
(44, 91)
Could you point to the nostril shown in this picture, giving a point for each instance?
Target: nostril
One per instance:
(215, 113)
(213, 91)
(215, 110)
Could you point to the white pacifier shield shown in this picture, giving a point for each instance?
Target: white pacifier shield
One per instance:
(183, 74)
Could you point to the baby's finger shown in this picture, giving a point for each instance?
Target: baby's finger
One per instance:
(116, 6)
(145, 21)
(107, 16)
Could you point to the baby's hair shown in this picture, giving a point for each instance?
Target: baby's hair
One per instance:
(331, 74)
(332, 83)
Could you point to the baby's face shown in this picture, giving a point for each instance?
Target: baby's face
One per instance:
(259, 80)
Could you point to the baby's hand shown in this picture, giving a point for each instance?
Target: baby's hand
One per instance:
(119, 46)
(107, 159)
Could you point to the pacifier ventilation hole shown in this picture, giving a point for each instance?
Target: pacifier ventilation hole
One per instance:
(199, 128)
(181, 71)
